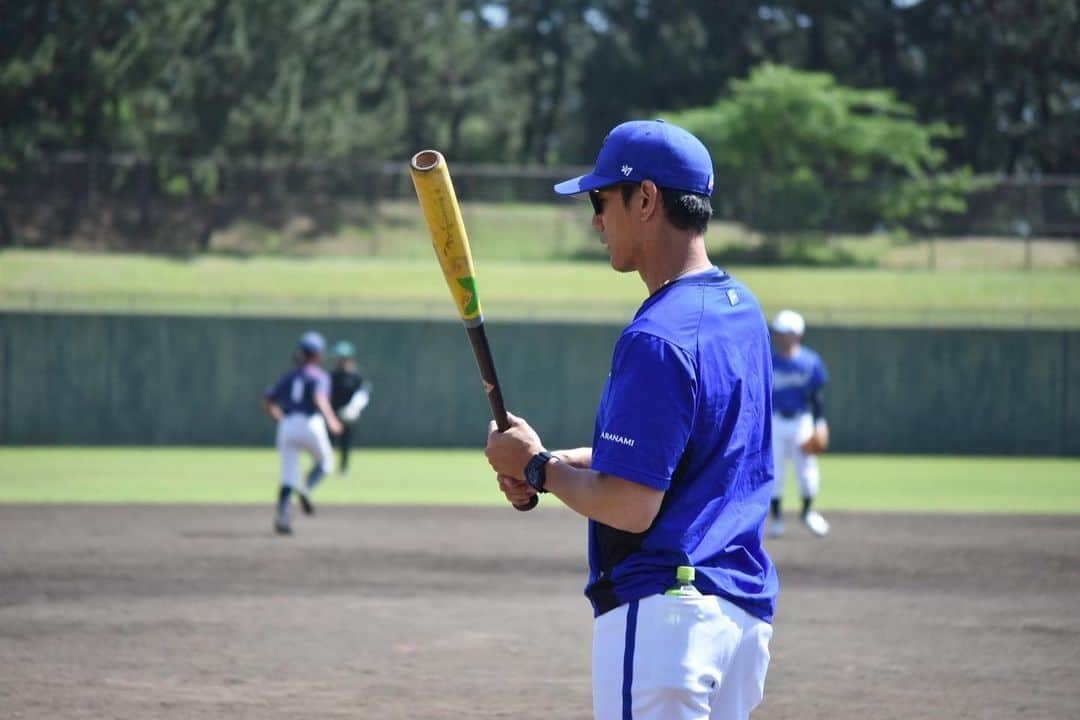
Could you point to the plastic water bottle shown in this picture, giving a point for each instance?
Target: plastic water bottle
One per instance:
(684, 575)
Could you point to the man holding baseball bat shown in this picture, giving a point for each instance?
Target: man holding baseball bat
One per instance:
(677, 482)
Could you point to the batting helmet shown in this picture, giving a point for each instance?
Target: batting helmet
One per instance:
(312, 342)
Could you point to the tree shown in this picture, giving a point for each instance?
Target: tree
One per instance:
(809, 154)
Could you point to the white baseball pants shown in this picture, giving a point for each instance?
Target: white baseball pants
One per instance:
(788, 434)
(298, 432)
(679, 658)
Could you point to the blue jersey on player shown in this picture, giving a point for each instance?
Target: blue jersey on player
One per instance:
(686, 410)
(796, 379)
(295, 391)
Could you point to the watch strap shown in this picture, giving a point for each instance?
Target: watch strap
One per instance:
(536, 470)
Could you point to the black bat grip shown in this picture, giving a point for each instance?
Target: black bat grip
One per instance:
(484, 360)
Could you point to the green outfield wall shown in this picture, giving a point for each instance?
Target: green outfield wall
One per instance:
(153, 380)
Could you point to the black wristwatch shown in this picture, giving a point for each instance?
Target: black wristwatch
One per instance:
(536, 471)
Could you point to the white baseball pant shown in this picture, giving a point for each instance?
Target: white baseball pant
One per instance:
(788, 435)
(666, 657)
(298, 432)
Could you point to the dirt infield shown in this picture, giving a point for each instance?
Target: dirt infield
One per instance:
(200, 612)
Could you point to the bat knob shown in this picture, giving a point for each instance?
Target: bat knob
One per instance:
(533, 502)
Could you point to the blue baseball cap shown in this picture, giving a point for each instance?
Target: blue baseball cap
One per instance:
(312, 342)
(642, 150)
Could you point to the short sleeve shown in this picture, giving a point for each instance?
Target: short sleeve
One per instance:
(646, 414)
(322, 384)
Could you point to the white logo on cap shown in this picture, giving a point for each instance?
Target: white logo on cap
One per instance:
(626, 170)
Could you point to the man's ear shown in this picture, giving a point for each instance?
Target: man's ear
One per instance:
(650, 198)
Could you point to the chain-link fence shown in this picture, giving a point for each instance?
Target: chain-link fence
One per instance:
(1046, 206)
(130, 203)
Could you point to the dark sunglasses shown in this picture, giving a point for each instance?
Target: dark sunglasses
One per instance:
(598, 202)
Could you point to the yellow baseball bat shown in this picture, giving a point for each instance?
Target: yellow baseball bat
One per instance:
(435, 190)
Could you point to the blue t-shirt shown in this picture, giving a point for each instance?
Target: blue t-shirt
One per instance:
(687, 409)
(295, 391)
(795, 379)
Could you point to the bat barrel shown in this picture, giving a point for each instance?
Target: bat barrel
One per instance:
(435, 191)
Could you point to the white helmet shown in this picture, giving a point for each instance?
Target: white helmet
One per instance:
(789, 321)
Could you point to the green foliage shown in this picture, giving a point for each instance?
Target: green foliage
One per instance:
(515, 80)
(349, 84)
(317, 80)
(812, 154)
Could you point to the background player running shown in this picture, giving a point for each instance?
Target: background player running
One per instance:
(300, 404)
(800, 431)
(350, 392)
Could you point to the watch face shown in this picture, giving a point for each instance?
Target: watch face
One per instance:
(532, 475)
(534, 471)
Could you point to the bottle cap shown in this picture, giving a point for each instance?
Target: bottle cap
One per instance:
(685, 574)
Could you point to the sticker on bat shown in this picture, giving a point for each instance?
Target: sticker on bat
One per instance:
(472, 304)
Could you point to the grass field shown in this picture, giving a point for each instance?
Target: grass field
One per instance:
(550, 231)
(461, 477)
(342, 286)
